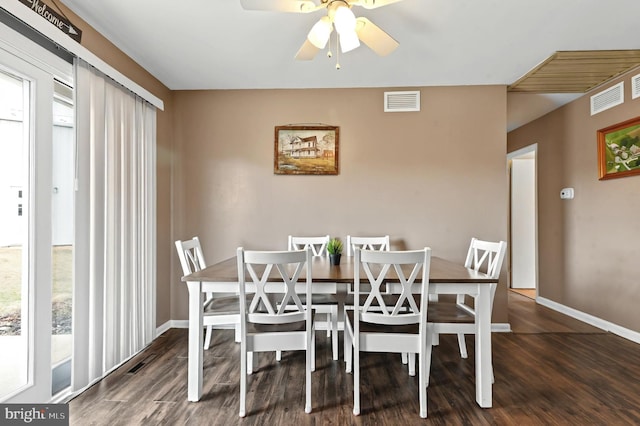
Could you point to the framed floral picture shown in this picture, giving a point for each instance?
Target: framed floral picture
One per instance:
(619, 149)
(306, 150)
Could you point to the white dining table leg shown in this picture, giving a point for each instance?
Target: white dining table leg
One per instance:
(483, 346)
(194, 374)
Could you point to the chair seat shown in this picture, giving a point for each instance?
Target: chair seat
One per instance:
(253, 327)
(368, 327)
(448, 312)
(320, 299)
(224, 305)
(389, 299)
(265, 328)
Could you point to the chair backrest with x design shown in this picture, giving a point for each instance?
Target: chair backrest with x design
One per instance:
(273, 302)
(318, 245)
(486, 256)
(367, 243)
(404, 267)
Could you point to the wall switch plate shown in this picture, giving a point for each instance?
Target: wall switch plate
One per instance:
(566, 193)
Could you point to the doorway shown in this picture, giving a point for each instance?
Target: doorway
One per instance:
(523, 221)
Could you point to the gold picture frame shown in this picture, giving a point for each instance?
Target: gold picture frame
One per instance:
(619, 150)
(306, 150)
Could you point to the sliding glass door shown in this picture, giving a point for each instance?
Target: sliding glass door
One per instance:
(36, 241)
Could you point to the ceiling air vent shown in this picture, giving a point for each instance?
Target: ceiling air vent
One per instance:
(402, 101)
(606, 99)
(635, 86)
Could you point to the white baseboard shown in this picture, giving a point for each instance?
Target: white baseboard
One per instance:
(164, 327)
(634, 336)
(179, 323)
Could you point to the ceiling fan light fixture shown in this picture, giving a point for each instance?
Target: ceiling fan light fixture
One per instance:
(349, 41)
(320, 32)
(344, 19)
(350, 31)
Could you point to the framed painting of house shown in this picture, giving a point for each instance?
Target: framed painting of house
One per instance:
(306, 150)
(619, 149)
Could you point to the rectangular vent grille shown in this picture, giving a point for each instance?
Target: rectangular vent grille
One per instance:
(402, 101)
(141, 364)
(635, 86)
(607, 98)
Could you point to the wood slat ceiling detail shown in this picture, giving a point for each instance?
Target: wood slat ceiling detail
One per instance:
(576, 71)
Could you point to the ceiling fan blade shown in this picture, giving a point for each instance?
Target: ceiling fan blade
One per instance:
(372, 4)
(377, 40)
(294, 6)
(307, 51)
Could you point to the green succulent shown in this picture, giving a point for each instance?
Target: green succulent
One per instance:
(334, 246)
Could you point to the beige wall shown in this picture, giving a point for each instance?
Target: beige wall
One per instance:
(104, 49)
(435, 177)
(588, 246)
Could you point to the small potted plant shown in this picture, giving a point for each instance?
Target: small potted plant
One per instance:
(334, 247)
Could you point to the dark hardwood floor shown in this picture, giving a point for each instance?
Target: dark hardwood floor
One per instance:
(551, 370)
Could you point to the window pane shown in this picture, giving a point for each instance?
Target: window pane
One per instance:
(62, 238)
(13, 251)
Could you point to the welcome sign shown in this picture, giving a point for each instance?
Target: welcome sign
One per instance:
(54, 18)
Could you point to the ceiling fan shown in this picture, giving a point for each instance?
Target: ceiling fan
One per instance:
(351, 30)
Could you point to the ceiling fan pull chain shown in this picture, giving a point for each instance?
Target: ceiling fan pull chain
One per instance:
(337, 52)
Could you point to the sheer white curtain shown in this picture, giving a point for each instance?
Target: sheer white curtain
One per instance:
(114, 291)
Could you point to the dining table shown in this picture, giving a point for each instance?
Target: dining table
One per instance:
(445, 277)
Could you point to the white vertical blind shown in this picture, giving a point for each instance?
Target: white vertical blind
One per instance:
(114, 294)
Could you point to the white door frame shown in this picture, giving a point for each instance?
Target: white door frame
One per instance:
(37, 242)
(528, 150)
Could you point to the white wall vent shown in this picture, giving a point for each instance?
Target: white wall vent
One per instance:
(635, 86)
(606, 99)
(402, 101)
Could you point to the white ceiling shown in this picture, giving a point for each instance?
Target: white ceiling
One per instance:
(215, 44)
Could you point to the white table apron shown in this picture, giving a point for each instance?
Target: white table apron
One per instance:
(482, 292)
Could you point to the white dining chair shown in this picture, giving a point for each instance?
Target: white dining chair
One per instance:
(459, 317)
(325, 304)
(218, 311)
(379, 243)
(268, 323)
(377, 326)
